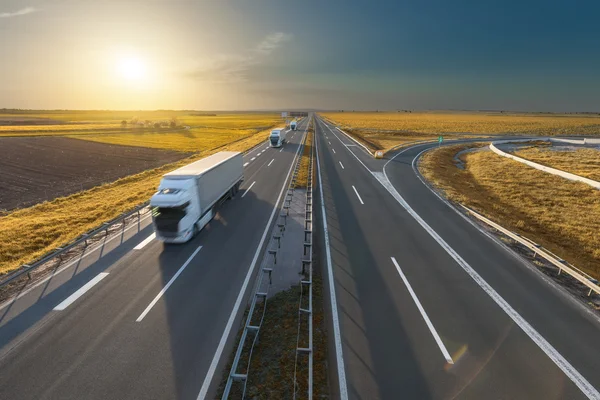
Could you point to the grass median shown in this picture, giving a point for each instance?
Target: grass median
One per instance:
(29, 233)
(582, 162)
(558, 214)
(302, 179)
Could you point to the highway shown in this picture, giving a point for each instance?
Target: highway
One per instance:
(141, 320)
(430, 307)
(424, 305)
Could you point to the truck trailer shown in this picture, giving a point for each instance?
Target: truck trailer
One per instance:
(186, 197)
(277, 137)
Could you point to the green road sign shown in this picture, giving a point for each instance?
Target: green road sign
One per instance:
(440, 139)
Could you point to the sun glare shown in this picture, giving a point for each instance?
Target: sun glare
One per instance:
(132, 69)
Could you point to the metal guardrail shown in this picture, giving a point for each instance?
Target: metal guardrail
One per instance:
(83, 241)
(260, 293)
(537, 249)
(306, 283)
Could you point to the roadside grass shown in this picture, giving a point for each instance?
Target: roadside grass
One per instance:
(561, 215)
(582, 162)
(302, 179)
(29, 233)
(384, 130)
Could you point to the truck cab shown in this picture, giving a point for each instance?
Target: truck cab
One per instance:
(277, 137)
(175, 210)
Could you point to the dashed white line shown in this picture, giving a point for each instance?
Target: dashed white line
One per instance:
(357, 195)
(253, 158)
(437, 338)
(159, 295)
(342, 165)
(333, 151)
(246, 164)
(72, 298)
(145, 242)
(258, 154)
(249, 187)
(329, 143)
(281, 150)
(271, 163)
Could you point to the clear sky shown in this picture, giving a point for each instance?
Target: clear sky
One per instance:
(264, 54)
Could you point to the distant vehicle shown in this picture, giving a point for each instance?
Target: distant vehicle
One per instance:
(277, 137)
(186, 197)
(293, 125)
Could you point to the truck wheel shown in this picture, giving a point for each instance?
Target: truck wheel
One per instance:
(195, 232)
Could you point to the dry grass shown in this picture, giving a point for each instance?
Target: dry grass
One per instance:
(302, 179)
(383, 130)
(29, 233)
(559, 214)
(192, 140)
(582, 162)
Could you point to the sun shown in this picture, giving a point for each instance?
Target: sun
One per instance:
(132, 69)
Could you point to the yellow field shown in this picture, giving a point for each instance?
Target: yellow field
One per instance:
(192, 140)
(559, 214)
(582, 162)
(29, 233)
(383, 130)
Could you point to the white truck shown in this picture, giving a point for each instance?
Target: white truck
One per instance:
(186, 197)
(293, 125)
(277, 137)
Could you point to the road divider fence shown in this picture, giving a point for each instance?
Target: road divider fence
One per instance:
(538, 250)
(258, 301)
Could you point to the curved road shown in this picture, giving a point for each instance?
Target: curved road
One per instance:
(431, 307)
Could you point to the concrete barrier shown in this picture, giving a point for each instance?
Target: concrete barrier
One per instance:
(553, 171)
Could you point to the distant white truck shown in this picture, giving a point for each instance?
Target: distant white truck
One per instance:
(186, 197)
(293, 125)
(277, 137)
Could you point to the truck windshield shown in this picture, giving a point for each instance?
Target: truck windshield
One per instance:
(167, 219)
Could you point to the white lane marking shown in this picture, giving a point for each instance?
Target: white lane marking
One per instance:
(253, 158)
(350, 145)
(72, 298)
(329, 143)
(271, 163)
(281, 150)
(357, 195)
(213, 365)
(534, 335)
(437, 338)
(258, 154)
(69, 265)
(263, 150)
(145, 242)
(249, 187)
(246, 164)
(159, 295)
(333, 151)
(337, 336)
(342, 165)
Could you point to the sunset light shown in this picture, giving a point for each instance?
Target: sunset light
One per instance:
(132, 69)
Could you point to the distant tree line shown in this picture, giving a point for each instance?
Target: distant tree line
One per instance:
(135, 122)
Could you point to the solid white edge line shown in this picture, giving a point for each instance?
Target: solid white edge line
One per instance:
(342, 165)
(70, 264)
(72, 298)
(246, 164)
(333, 299)
(163, 290)
(271, 163)
(357, 195)
(145, 242)
(213, 365)
(574, 375)
(437, 338)
(249, 187)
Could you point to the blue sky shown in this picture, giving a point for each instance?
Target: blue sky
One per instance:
(430, 54)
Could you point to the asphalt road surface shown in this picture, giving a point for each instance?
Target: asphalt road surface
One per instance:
(428, 306)
(138, 319)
